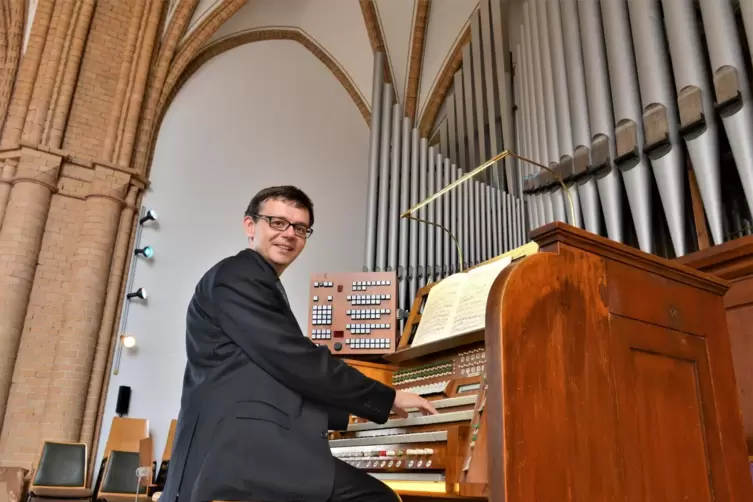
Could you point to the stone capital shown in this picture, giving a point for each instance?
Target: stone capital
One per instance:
(110, 183)
(38, 166)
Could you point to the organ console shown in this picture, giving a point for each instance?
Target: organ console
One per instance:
(596, 372)
(354, 313)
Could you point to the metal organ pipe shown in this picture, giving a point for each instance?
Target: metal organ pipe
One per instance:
(580, 127)
(394, 187)
(422, 231)
(523, 123)
(431, 231)
(603, 152)
(627, 114)
(447, 221)
(692, 83)
(540, 141)
(406, 188)
(414, 199)
(454, 219)
(371, 194)
(438, 218)
(550, 122)
(562, 107)
(384, 179)
(660, 115)
(732, 84)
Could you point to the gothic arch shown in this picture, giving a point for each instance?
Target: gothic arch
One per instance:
(193, 54)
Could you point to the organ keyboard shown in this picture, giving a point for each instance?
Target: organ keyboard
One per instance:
(421, 454)
(599, 373)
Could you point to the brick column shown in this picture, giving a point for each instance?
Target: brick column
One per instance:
(20, 240)
(90, 272)
(107, 329)
(6, 177)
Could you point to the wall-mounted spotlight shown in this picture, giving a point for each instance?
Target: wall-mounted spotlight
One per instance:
(151, 215)
(128, 341)
(146, 252)
(139, 293)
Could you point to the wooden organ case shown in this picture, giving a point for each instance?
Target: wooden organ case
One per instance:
(602, 373)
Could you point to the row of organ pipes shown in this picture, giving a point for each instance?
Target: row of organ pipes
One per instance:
(632, 103)
(620, 96)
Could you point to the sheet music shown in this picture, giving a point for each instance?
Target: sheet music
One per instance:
(471, 312)
(439, 310)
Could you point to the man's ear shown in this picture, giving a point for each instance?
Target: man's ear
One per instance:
(249, 226)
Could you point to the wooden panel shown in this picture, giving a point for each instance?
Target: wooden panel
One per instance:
(659, 300)
(547, 350)
(668, 410)
(733, 261)
(741, 338)
(126, 433)
(380, 372)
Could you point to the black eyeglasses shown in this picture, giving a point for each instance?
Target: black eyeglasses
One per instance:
(281, 224)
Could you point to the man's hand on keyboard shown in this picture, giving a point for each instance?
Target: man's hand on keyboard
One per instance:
(405, 401)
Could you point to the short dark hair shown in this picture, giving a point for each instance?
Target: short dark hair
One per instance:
(287, 193)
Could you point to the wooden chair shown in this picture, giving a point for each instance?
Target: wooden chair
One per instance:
(61, 472)
(120, 481)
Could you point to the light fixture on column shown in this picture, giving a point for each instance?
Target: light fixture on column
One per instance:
(139, 293)
(147, 252)
(151, 215)
(126, 341)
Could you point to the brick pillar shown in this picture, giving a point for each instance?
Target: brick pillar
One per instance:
(107, 334)
(20, 240)
(90, 272)
(6, 177)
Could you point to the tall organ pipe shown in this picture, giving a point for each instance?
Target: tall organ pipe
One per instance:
(539, 101)
(608, 180)
(655, 82)
(460, 209)
(550, 122)
(371, 194)
(541, 143)
(405, 197)
(430, 189)
(467, 225)
(529, 91)
(725, 52)
(690, 73)
(414, 194)
(561, 101)
(438, 218)
(447, 219)
(423, 186)
(384, 179)
(576, 95)
(394, 187)
(454, 215)
(523, 120)
(627, 107)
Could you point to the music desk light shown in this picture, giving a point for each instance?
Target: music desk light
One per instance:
(483, 167)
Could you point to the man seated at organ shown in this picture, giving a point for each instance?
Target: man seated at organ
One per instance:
(258, 396)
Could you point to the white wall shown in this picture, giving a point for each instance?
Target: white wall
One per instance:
(261, 114)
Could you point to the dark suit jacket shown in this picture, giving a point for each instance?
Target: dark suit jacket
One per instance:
(258, 396)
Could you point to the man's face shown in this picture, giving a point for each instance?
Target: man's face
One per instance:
(278, 247)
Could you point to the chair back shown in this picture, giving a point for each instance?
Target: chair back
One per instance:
(61, 465)
(120, 475)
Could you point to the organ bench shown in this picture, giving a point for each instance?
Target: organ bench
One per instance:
(598, 373)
